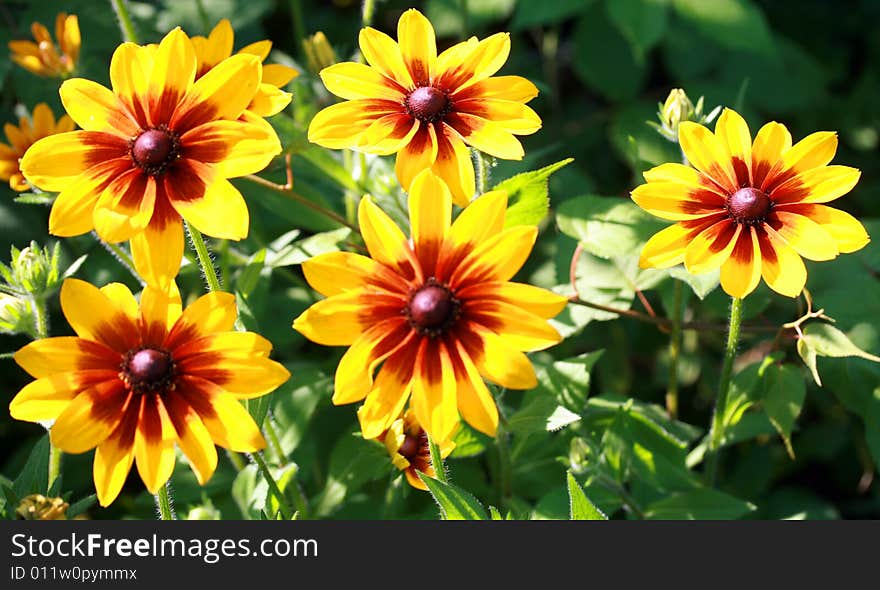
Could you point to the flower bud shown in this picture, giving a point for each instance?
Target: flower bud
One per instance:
(39, 507)
(319, 53)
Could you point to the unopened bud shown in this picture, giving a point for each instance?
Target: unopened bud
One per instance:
(319, 53)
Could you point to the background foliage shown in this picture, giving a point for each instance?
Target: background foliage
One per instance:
(593, 439)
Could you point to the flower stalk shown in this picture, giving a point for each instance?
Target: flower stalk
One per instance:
(120, 7)
(204, 257)
(164, 503)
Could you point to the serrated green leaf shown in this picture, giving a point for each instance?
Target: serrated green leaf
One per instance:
(827, 340)
(783, 396)
(579, 505)
(608, 227)
(34, 476)
(528, 195)
(455, 503)
(699, 504)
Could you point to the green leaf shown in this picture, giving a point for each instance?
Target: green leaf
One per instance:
(455, 503)
(541, 414)
(80, 506)
(783, 396)
(528, 195)
(568, 379)
(536, 14)
(604, 59)
(580, 506)
(469, 442)
(34, 476)
(295, 401)
(493, 512)
(701, 284)
(826, 340)
(250, 274)
(353, 462)
(301, 250)
(642, 22)
(872, 426)
(699, 504)
(607, 226)
(734, 24)
(243, 492)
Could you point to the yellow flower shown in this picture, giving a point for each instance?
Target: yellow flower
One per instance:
(439, 312)
(407, 444)
(269, 99)
(159, 146)
(138, 379)
(42, 124)
(426, 107)
(752, 209)
(43, 57)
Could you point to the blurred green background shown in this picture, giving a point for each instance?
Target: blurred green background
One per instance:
(601, 67)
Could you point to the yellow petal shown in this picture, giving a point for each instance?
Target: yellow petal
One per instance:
(816, 149)
(383, 54)
(470, 62)
(521, 329)
(772, 141)
(194, 439)
(94, 316)
(475, 403)
(781, 267)
(73, 211)
(710, 248)
(113, 460)
(733, 132)
(417, 45)
(122, 297)
(389, 134)
(340, 319)
(434, 399)
(336, 272)
(220, 213)
(741, 273)
(352, 81)
(817, 185)
(541, 302)
(233, 147)
(154, 444)
(486, 136)
(508, 115)
(707, 154)
(158, 250)
(47, 356)
(278, 75)
(498, 258)
(223, 93)
(54, 162)
(227, 421)
(354, 375)
(454, 165)
(676, 202)
(845, 229)
(89, 418)
(390, 391)
(496, 360)
(125, 207)
(340, 125)
(46, 398)
(807, 237)
(386, 243)
(210, 313)
(242, 376)
(430, 213)
(419, 154)
(95, 108)
(666, 248)
(269, 100)
(501, 87)
(172, 75)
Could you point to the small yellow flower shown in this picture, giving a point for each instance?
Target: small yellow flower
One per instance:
(43, 57)
(751, 208)
(407, 445)
(139, 378)
(41, 124)
(426, 107)
(217, 46)
(39, 507)
(438, 312)
(158, 147)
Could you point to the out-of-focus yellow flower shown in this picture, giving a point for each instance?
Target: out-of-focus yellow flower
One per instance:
(42, 56)
(407, 444)
(41, 124)
(319, 52)
(39, 507)
(217, 46)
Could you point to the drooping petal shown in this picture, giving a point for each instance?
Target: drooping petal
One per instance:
(226, 419)
(340, 125)
(707, 154)
(817, 185)
(339, 320)
(354, 375)
(845, 229)
(807, 237)
(386, 243)
(352, 81)
(390, 391)
(383, 54)
(233, 147)
(454, 165)
(96, 108)
(418, 154)
(430, 215)
(733, 132)
(710, 248)
(336, 272)
(111, 326)
(782, 268)
(741, 273)
(486, 136)
(417, 45)
(90, 417)
(521, 329)
(154, 443)
(475, 403)
(496, 360)
(434, 399)
(541, 302)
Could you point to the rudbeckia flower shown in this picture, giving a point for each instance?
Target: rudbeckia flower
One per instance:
(426, 107)
(439, 313)
(43, 57)
(138, 379)
(159, 146)
(752, 209)
(217, 46)
(42, 124)
(407, 444)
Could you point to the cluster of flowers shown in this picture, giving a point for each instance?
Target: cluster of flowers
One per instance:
(428, 319)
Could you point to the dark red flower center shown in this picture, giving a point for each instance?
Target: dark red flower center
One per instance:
(155, 149)
(413, 445)
(749, 206)
(427, 103)
(148, 369)
(432, 309)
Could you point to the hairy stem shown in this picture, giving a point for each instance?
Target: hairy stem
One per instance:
(126, 26)
(283, 508)
(204, 256)
(164, 503)
(437, 460)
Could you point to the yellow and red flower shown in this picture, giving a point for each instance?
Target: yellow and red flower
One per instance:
(41, 124)
(439, 313)
(160, 146)
(138, 379)
(217, 46)
(41, 56)
(407, 444)
(426, 107)
(752, 209)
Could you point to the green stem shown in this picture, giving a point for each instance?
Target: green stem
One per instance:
(272, 437)
(120, 7)
(283, 508)
(484, 164)
(54, 464)
(201, 249)
(674, 351)
(437, 460)
(504, 469)
(164, 504)
(367, 13)
(716, 432)
(123, 257)
(41, 318)
(303, 201)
